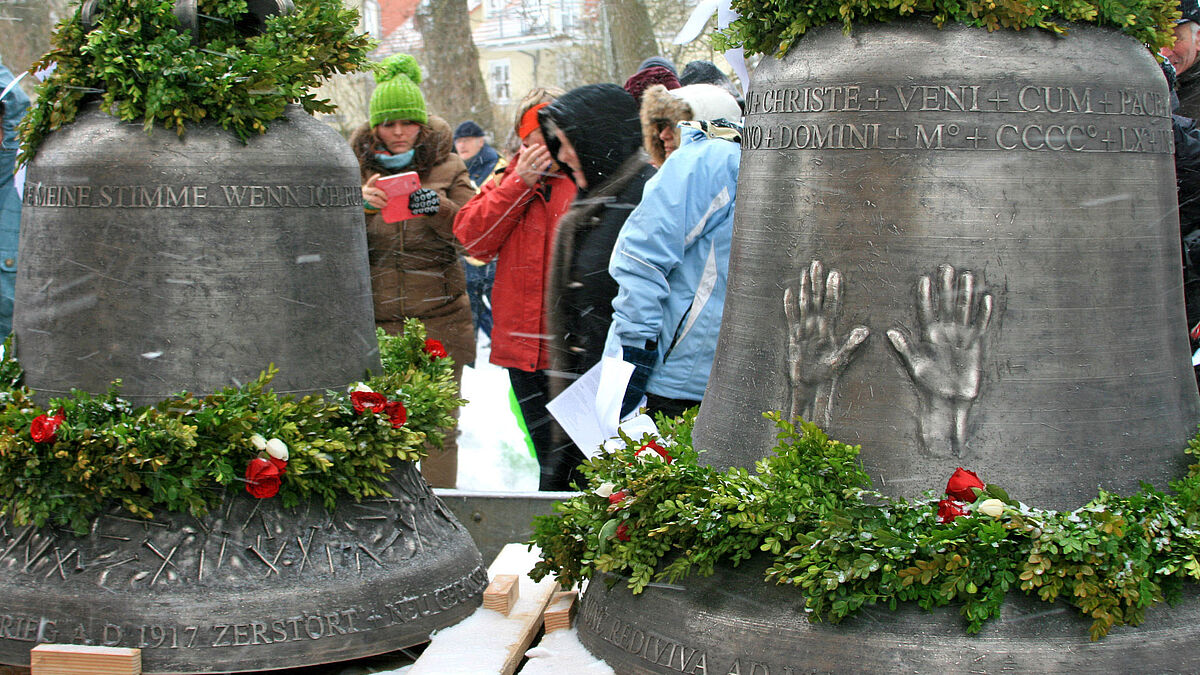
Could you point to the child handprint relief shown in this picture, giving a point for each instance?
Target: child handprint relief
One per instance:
(944, 357)
(815, 357)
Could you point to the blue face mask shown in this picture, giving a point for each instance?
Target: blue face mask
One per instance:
(393, 162)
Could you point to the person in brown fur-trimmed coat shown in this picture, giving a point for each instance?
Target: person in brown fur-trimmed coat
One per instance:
(415, 271)
(663, 109)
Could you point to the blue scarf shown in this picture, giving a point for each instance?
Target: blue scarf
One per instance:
(395, 162)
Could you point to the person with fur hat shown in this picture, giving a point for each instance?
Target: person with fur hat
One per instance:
(593, 131)
(671, 260)
(662, 110)
(415, 271)
(511, 222)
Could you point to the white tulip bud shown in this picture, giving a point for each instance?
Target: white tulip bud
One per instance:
(991, 507)
(277, 449)
(605, 489)
(258, 442)
(362, 386)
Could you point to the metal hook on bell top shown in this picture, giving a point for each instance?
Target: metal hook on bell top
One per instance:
(258, 11)
(185, 12)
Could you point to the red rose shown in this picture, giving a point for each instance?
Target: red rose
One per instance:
(949, 509)
(616, 497)
(435, 349)
(656, 448)
(262, 478)
(961, 483)
(623, 531)
(279, 464)
(364, 400)
(397, 413)
(44, 429)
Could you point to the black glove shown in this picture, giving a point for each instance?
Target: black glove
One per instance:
(643, 361)
(424, 202)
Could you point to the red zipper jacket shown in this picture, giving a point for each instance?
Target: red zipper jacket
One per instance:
(514, 224)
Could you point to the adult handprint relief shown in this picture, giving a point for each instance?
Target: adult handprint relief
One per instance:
(815, 359)
(944, 358)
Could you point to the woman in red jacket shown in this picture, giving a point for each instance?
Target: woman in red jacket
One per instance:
(512, 220)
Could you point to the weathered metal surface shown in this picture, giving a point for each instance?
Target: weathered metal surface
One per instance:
(960, 248)
(734, 622)
(955, 248)
(192, 263)
(496, 519)
(253, 586)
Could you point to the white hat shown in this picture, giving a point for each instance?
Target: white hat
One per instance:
(708, 102)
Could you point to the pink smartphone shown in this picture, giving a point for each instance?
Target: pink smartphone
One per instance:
(398, 188)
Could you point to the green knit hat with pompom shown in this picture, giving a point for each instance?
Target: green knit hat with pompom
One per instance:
(396, 95)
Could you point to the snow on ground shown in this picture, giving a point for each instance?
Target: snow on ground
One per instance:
(494, 456)
(493, 451)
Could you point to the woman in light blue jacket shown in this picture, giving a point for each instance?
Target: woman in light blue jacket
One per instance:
(671, 262)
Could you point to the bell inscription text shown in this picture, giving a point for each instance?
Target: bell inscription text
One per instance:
(1000, 116)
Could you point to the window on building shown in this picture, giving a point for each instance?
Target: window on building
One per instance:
(569, 11)
(370, 16)
(501, 81)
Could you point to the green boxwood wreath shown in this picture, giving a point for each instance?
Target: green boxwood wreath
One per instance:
(842, 545)
(774, 26)
(186, 452)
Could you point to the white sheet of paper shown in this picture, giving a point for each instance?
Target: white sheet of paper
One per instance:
(614, 379)
(586, 409)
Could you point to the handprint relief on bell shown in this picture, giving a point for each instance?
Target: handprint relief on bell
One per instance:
(815, 360)
(944, 357)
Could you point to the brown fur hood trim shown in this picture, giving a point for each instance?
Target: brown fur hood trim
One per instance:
(434, 145)
(659, 104)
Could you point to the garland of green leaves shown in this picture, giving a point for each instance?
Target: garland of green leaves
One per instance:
(843, 545)
(145, 67)
(186, 452)
(774, 26)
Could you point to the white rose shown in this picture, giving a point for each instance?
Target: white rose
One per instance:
(277, 449)
(991, 507)
(258, 442)
(361, 386)
(605, 489)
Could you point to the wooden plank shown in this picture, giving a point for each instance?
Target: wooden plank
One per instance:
(49, 659)
(486, 643)
(560, 613)
(501, 595)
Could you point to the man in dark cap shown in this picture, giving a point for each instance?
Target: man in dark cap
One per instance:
(481, 159)
(470, 144)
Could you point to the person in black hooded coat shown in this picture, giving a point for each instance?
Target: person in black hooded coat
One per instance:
(596, 134)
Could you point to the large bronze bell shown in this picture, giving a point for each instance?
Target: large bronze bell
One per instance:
(960, 248)
(191, 264)
(955, 248)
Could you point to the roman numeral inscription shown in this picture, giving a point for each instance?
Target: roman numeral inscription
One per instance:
(999, 116)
